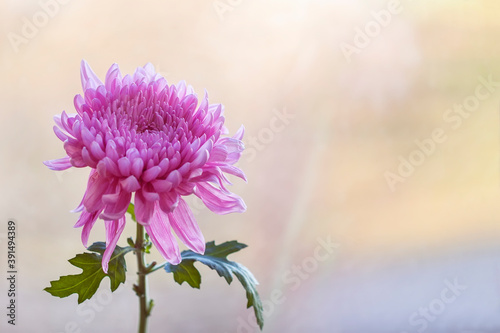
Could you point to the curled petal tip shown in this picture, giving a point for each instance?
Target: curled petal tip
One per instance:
(88, 77)
(59, 164)
(239, 133)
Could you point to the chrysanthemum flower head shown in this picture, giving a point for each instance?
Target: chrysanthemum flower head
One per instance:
(143, 137)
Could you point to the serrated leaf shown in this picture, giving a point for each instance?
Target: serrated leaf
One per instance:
(215, 258)
(224, 249)
(86, 283)
(185, 272)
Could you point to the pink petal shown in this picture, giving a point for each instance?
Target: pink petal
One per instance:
(87, 227)
(218, 154)
(231, 169)
(85, 217)
(218, 201)
(239, 133)
(151, 174)
(143, 208)
(113, 231)
(137, 166)
(161, 185)
(130, 184)
(97, 151)
(149, 193)
(213, 174)
(186, 188)
(233, 148)
(201, 158)
(79, 208)
(112, 75)
(162, 237)
(124, 166)
(77, 161)
(168, 201)
(60, 134)
(175, 178)
(78, 101)
(149, 71)
(59, 164)
(97, 186)
(186, 228)
(181, 89)
(72, 147)
(139, 75)
(115, 210)
(87, 158)
(88, 77)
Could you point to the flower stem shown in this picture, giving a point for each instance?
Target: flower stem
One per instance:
(141, 288)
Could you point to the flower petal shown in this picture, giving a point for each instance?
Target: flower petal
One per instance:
(113, 231)
(130, 184)
(218, 201)
(78, 101)
(168, 201)
(60, 134)
(79, 208)
(97, 186)
(151, 174)
(59, 164)
(85, 217)
(239, 133)
(161, 236)
(162, 185)
(149, 71)
(88, 77)
(235, 171)
(112, 75)
(143, 208)
(87, 227)
(186, 228)
(232, 147)
(115, 210)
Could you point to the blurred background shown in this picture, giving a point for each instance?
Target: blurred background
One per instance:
(372, 135)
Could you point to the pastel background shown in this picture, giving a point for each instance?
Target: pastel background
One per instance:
(338, 98)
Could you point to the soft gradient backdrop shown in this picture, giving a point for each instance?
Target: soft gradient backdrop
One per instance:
(325, 126)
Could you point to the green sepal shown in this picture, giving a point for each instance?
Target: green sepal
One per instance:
(215, 257)
(86, 283)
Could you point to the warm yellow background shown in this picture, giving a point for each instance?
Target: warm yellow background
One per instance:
(321, 175)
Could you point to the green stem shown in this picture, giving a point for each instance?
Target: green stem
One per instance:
(157, 267)
(142, 287)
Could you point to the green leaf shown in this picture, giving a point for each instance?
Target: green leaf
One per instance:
(86, 283)
(131, 211)
(215, 258)
(186, 271)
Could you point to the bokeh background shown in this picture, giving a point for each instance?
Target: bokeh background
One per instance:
(329, 117)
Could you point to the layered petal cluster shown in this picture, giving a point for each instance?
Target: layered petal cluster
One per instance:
(142, 136)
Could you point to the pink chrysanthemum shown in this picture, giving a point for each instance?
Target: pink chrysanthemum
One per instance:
(140, 135)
